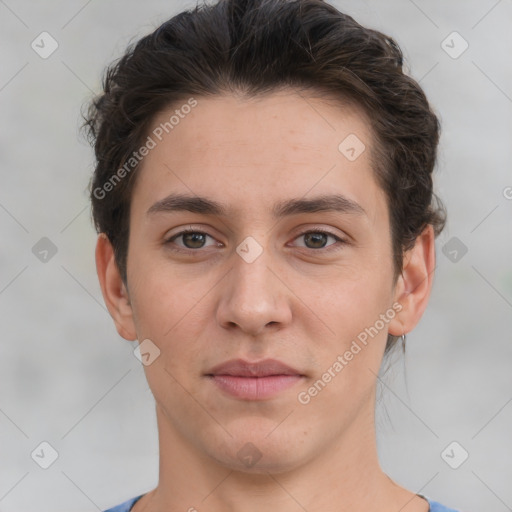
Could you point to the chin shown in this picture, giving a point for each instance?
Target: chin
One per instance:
(258, 450)
(264, 462)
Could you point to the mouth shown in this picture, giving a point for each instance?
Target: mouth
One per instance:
(254, 381)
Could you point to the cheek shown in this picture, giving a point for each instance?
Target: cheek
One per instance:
(168, 310)
(352, 358)
(356, 296)
(163, 298)
(358, 308)
(175, 312)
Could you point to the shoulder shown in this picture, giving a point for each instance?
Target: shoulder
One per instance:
(125, 506)
(437, 507)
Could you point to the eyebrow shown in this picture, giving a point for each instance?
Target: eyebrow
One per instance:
(203, 205)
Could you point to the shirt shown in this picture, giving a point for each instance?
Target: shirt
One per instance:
(127, 506)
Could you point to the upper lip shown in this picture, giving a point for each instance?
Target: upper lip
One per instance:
(264, 368)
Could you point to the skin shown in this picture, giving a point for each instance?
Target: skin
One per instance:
(297, 302)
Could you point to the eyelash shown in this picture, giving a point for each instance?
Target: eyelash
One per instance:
(332, 247)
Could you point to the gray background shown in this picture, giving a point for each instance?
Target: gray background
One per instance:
(67, 378)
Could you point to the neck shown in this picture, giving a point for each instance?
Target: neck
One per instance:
(342, 478)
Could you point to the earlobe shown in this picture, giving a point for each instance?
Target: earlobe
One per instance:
(113, 289)
(414, 285)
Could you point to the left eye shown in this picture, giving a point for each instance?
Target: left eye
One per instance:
(318, 239)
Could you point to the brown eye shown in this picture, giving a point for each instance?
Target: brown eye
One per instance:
(318, 239)
(194, 240)
(190, 240)
(315, 240)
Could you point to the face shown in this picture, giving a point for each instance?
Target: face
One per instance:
(266, 271)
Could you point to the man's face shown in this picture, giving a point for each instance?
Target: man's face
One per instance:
(251, 285)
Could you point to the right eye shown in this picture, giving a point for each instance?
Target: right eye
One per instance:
(191, 240)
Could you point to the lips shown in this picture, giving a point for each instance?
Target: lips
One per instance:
(253, 381)
(265, 368)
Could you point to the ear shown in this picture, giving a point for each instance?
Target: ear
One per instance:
(412, 289)
(114, 291)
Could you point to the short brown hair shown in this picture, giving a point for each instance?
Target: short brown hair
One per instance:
(255, 47)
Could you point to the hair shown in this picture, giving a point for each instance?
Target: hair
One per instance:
(253, 48)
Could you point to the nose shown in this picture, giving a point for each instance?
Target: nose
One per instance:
(253, 298)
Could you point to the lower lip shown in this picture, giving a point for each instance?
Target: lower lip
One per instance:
(254, 388)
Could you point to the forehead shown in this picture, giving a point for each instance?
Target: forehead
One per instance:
(254, 152)
(304, 125)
